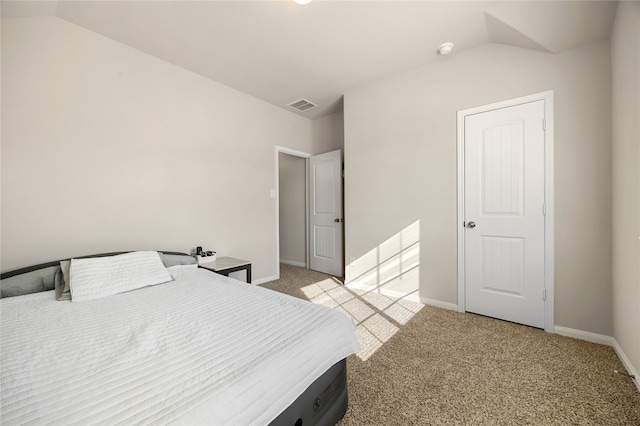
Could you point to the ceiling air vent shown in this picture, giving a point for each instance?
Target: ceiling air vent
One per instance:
(302, 105)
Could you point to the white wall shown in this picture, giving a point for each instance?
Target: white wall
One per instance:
(292, 198)
(328, 133)
(400, 165)
(105, 148)
(625, 63)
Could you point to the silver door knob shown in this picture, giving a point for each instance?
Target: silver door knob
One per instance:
(471, 224)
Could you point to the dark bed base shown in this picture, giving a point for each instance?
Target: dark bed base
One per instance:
(323, 403)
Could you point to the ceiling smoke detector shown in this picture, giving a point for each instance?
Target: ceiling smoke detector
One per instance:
(445, 48)
(302, 105)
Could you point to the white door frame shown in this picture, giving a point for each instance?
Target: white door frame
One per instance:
(306, 156)
(547, 97)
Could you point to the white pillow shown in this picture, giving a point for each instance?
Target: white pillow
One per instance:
(104, 276)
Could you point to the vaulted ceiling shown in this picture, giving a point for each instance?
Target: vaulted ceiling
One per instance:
(280, 51)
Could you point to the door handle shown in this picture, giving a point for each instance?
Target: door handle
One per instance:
(471, 224)
(337, 220)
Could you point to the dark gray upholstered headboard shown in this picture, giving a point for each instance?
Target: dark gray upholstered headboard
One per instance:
(37, 278)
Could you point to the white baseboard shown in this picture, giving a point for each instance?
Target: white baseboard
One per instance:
(265, 280)
(603, 340)
(583, 335)
(627, 364)
(439, 304)
(293, 263)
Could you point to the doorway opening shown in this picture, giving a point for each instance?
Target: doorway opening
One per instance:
(320, 246)
(292, 200)
(291, 207)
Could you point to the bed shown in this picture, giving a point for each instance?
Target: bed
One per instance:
(197, 348)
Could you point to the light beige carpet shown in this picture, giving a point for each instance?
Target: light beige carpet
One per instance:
(441, 367)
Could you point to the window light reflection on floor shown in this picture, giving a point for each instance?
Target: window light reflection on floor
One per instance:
(383, 293)
(377, 317)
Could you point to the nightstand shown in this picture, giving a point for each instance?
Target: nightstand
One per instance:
(227, 265)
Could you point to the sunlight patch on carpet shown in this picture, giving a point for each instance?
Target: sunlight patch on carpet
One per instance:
(377, 316)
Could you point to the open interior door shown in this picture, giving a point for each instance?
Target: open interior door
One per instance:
(325, 213)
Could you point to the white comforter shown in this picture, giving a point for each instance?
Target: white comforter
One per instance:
(203, 349)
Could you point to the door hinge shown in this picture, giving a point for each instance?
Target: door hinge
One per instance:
(544, 209)
(544, 294)
(544, 124)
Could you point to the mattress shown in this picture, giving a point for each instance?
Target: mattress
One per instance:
(201, 349)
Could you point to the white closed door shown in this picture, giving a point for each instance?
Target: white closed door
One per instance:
(325, 213)
(504, 163)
